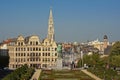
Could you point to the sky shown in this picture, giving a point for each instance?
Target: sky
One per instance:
(74, 20)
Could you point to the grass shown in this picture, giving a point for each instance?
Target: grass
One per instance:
(63, 75)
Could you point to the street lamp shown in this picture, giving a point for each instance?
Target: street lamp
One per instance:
(81, 57)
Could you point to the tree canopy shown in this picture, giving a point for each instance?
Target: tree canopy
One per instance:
(115, 49)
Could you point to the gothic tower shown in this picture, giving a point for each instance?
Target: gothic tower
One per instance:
(50, 34)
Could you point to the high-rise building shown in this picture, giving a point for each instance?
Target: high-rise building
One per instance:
(32, 51)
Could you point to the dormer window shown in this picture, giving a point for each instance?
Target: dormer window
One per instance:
(21, 43)
(36, 43)
(18, 43)
(30, 42)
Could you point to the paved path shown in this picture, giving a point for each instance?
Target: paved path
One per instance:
(36, 74)
(91, 75)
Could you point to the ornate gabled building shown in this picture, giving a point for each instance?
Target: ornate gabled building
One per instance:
(32, 51)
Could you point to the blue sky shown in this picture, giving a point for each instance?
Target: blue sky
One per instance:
(74, 20)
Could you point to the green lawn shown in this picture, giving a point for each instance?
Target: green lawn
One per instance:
(63, 75)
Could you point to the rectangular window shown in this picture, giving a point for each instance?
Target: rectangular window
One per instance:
(27, 59)
(55, 49)
(43, 54)
(39, 59)
(36, 49)
(27, 54)
(27, 49)
(16, 54)
(48, 54)
(21, 54)
(55, 54)
(39, 54)
(16, 49)
(39, 49)
(36, 59)
(33, 49)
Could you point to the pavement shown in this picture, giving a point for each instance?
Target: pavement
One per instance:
(36, 74)
(91, 75)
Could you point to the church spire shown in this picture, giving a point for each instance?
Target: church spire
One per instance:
(50, 35)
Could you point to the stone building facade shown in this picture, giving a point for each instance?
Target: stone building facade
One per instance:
(33, 51)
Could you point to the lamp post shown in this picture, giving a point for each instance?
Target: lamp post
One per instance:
(82, 57)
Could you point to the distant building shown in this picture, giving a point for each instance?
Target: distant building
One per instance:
(66, 46)
(101, 46)
(97, 44)
(3, 49)
(105, 41)
(32, 51)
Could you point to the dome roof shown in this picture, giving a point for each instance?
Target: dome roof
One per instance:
(105, 37)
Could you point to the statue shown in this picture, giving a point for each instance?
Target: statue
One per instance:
(59, 50)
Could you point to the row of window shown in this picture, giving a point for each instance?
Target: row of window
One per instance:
(31, 43)
(35, 54)
(31, 65)
(36, 49)
(34, 59)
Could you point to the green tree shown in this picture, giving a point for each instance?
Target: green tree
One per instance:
(79, 64)
(115, 60)
(114, 57)
(92, 60)
(115, 49)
